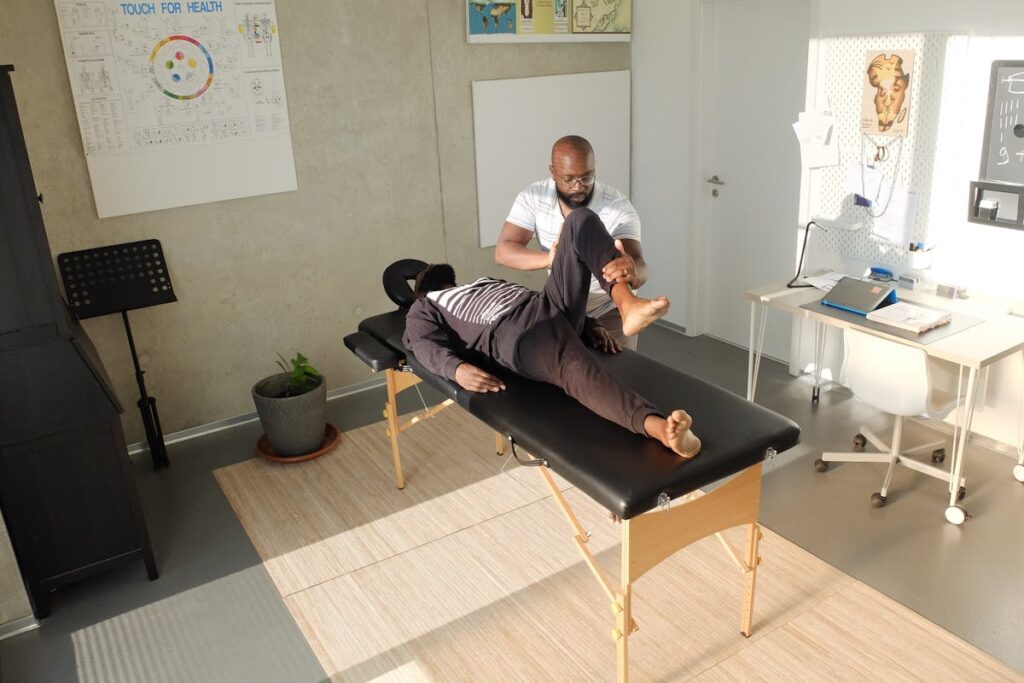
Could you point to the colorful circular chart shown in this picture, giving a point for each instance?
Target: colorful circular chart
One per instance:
(182, 68)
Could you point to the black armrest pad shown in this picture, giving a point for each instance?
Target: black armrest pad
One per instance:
(371, 351)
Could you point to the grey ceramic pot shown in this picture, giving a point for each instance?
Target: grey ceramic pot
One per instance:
(295, 425)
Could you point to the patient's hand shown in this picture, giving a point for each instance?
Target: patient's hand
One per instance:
(601, 339)
(472, 378)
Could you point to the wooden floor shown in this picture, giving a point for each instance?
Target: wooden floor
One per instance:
(470, 574)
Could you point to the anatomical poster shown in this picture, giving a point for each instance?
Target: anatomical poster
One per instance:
(179, 102)
(888, 80)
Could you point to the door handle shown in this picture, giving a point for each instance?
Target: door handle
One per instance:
(714, 180)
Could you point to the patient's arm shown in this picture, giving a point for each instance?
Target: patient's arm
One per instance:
(428, 338)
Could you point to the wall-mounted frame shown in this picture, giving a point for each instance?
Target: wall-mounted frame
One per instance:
(1000, 204)
(548, 21)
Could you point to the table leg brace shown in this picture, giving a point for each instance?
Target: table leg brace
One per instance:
(650, 538)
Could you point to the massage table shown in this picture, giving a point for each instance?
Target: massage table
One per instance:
(634, 477)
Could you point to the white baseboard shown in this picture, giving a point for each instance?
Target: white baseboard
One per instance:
(230, 422)
(13, 628)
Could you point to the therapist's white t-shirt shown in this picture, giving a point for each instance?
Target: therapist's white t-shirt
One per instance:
(537, 209)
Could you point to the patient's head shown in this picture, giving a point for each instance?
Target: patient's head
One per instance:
(434, 277)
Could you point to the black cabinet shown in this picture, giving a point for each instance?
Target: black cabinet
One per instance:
(66, 488)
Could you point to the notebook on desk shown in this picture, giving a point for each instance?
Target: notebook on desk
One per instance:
(911, 317)
(859, 296)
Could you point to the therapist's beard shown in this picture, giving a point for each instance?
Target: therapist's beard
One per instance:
(568, 200)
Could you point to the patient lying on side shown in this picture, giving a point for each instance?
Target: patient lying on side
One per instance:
(539, 335)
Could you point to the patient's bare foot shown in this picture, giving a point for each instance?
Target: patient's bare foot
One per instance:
(678, 435)
(674, 432)
(637, 313)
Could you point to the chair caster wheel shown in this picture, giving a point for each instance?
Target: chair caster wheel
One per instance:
(820, 465)
(956, 515)
(1018, 472)
(859, 442)
(961, 492)
(878, 500)
(938, 455)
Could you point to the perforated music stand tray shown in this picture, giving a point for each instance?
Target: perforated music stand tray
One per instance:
(118, 279)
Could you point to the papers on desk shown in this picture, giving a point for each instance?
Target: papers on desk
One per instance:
(823, 281)
(910, 317)
(815, 132)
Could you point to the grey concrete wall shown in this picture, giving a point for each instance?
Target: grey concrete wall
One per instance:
(14, 603)
(381, 117)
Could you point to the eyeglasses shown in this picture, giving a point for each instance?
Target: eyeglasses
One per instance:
(584, 180)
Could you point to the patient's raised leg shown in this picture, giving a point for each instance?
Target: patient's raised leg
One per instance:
(584, 248)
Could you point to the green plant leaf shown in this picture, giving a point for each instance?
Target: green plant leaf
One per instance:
(300, 374)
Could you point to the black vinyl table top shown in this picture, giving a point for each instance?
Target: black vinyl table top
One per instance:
(623, 471)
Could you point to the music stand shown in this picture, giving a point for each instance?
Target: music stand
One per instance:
(118, 279)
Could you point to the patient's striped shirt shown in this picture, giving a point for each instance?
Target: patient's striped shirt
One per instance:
(482, 301)
(450, 322)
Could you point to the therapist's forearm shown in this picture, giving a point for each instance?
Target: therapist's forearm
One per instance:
(519, 257)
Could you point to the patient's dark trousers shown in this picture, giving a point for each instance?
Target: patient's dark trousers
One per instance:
(541, 338)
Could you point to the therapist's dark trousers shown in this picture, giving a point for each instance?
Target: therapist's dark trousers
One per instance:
(541, 338)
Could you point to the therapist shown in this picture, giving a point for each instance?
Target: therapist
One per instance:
(540, 210)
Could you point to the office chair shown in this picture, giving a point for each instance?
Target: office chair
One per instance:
(898, 379)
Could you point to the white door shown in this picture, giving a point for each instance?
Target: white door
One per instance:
(753, 74)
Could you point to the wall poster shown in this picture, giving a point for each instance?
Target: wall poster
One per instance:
(525, 21)
(887, 84)
(179, 102)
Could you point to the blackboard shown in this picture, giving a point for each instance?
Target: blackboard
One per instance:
(1002, 157)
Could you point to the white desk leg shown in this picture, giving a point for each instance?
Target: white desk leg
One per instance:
(955, 514)
(820, 336)
(1018, 469)
(754, 351)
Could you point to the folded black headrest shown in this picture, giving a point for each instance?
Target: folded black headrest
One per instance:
(396, 280)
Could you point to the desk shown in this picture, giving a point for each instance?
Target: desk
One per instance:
(973, 349)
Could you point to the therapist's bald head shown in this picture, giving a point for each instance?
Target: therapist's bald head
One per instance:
(572, 146)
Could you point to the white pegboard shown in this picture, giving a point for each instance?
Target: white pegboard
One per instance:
(936, 92)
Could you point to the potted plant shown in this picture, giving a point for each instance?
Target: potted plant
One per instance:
(292, 406)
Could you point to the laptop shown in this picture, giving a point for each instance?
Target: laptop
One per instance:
(859, 296)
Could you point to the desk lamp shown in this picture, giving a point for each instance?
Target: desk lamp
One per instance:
(823, 223)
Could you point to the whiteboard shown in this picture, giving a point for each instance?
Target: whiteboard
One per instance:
(516, 121)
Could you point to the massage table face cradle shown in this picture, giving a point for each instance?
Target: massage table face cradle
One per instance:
(648, 536)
